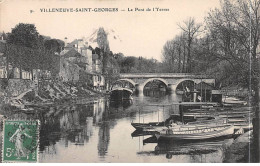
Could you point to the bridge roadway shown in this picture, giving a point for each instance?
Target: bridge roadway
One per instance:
(171, 80)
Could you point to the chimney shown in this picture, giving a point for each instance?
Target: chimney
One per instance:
(65, 41)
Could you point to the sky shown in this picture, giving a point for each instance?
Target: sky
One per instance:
(142, 33)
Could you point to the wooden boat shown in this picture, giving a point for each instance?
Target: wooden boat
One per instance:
(227, 113)
(138, 133)
(233, 101)
(147, 126)
(167, 122)
(121, 94)
(182, 122)
(208, 122)
(196, 134)
(201, 124)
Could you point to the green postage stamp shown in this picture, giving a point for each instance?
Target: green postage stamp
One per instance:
(20, 141)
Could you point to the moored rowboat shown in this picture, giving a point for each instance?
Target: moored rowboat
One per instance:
(167, 122)
(147, 126)
(196, 134)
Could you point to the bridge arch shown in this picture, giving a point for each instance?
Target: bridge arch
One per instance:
(180, 83)
(126, 80)
(152, 79)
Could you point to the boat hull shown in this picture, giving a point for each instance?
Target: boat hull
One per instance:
(121, 94)
(167, 122)
(157, 126)
(197, 134)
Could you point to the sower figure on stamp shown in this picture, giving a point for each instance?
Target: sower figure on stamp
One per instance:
(17, 138)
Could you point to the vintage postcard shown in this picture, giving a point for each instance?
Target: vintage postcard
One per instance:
(137, 81)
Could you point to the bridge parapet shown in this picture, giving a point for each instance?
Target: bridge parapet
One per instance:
(161, 75)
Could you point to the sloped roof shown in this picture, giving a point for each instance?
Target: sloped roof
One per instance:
(72, 53)
(71, 44)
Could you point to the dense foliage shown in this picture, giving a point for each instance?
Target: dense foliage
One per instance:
(26, 49)
(222, 49)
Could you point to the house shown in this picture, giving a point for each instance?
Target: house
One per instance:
(79, 46)
(98, 78)
(75, 57)
(87, 54)
(98, 82)
(96, 63)
(89, 65)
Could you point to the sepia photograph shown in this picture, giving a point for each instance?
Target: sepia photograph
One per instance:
(136, 81)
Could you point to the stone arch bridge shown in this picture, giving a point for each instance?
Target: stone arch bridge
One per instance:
(171, 80)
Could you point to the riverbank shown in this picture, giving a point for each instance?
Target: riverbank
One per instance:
(241, 150)
(27, 104)
(48, 93)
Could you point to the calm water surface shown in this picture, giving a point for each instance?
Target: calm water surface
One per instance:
(101, 131)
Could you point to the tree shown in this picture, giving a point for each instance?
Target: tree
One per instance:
(180, 50)
(237, 25)
(174, 54)
(236, 30)
(26, 50)
(169, 55)
(54, 45)
(128, 63)
(190, 29)
(25, 35)
(23, 38)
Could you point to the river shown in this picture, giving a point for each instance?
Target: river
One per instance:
(101, 131)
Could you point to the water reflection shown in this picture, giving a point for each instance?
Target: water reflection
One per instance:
(195, 148)
(174, 97)
(103, 139)
(100, 131)
(195, 151)
(73, 123)
(121, 103)
(154, 93)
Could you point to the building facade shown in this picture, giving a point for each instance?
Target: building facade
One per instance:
(78, 53)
